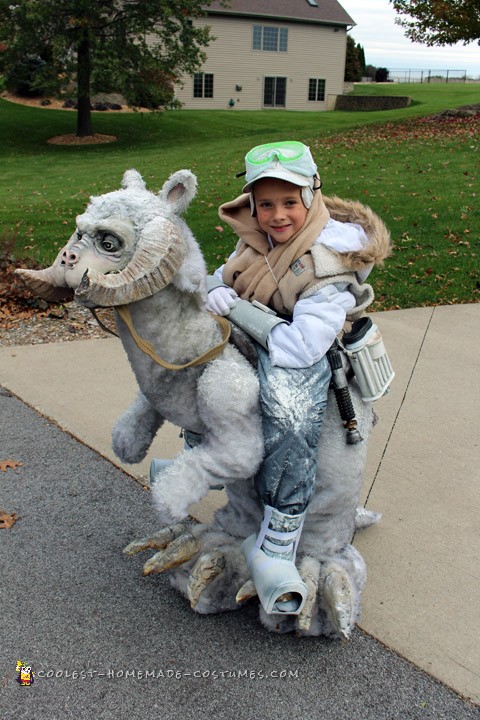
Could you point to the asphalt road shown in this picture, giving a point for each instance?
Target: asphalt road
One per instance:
(104, 642)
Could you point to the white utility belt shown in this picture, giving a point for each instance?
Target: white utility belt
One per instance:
(363, 344)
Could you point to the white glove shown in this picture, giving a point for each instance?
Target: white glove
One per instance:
(221, 299)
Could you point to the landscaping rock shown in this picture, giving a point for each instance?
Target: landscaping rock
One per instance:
(464, 111)
(358, 103)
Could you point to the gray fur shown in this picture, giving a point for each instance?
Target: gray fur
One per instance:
(220, 401)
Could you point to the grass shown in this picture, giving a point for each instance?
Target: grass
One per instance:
(420, 177)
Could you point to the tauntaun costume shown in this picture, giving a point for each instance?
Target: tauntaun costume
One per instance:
(131, 250)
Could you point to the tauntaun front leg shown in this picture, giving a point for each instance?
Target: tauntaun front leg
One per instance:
(134, 431)
(232, 447)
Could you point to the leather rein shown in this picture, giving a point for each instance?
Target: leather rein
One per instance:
(146, 347)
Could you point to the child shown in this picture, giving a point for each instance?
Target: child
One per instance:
(289, 257)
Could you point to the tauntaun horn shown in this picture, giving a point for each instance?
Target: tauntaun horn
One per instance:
(48, 283)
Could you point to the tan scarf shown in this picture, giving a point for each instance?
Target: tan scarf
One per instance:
(256, 275)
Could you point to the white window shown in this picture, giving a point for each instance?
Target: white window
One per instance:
(271, 39)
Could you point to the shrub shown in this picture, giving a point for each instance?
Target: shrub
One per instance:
(152, 88)
(381, 74)
(31, 76)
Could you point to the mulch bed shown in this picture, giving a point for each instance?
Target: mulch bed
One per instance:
(27, 320)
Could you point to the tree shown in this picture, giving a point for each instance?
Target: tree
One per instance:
(361, 60)
(352, 62)
(139, 48)
(435, 22)
(381, 74)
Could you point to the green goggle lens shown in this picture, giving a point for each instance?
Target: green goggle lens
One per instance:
(285, 152)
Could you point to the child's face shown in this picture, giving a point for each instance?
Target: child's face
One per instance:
(280, 210)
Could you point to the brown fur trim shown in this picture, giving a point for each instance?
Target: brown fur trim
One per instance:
(352, 211)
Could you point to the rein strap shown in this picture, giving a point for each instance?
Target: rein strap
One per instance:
(149, 350)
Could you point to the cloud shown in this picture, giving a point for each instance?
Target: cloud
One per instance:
(385, 43)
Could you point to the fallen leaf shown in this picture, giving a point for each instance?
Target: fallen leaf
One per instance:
(8, 519)
(13, 464)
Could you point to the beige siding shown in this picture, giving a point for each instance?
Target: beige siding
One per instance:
(314, 51)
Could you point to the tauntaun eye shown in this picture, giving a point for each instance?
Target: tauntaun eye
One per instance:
(110, 243)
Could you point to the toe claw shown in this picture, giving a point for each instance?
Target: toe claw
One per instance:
(310, 572)
(158, 541)
(246, 592)
(179, 551)
(364, 518)
(207, 568)
(338, 596)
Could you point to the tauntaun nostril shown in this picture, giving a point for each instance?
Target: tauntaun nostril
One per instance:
(72, 258)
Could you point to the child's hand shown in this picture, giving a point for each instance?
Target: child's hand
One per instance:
(221, 299)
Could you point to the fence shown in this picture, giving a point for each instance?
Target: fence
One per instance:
(427, 76)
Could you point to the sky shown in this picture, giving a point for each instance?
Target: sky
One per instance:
(385, 44)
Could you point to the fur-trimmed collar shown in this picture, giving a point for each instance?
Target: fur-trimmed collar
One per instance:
(379, 246)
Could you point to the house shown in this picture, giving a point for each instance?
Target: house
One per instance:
(278, 54)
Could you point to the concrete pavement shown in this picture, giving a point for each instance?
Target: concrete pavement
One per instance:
(422, 599)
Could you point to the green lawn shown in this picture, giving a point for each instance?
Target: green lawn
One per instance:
(420, 176)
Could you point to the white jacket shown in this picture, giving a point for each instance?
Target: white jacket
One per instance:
(318, 318)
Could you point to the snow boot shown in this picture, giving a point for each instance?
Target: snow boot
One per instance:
(270, 558)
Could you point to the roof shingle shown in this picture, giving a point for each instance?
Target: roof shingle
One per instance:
(326, 11)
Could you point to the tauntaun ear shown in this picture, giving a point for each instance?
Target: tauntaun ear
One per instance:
(179, 190)
(132, 179)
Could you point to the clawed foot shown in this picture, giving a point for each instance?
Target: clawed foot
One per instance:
(189, 548)
(330, 607)
(175, 542)
(209, 569)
